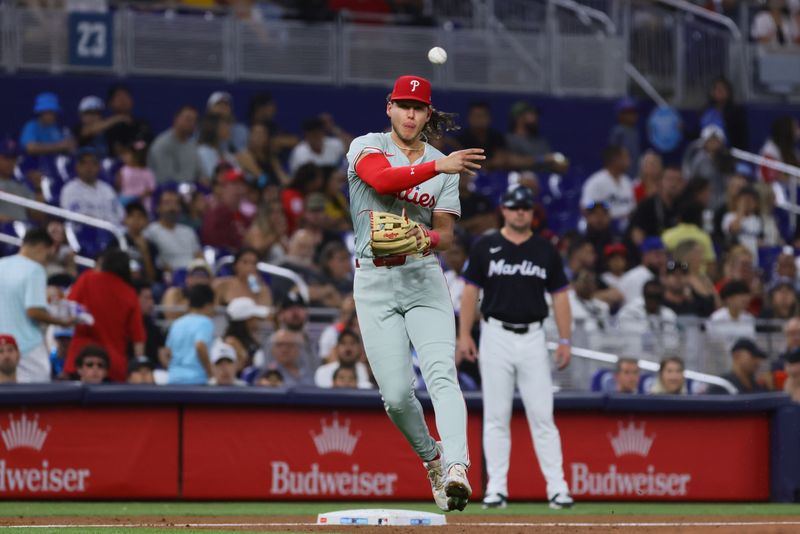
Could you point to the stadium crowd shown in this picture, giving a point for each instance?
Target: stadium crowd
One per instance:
(210, 206)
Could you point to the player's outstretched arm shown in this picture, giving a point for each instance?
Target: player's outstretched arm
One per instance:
(375, 170)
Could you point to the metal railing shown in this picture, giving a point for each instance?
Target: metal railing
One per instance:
(781, 201)
(268, 268)
(68, 215)
(17, 242)
(647, 365)
(492, 56)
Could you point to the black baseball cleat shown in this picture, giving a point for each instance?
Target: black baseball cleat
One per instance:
(560, 501)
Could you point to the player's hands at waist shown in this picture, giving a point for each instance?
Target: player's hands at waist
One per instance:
(467, 161)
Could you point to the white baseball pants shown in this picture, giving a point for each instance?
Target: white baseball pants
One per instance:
(508, 360)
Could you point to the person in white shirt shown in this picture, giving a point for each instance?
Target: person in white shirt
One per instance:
(732, 321)
(654, 263)
(588, 313)
(349, 353)
(745, 225)
(617, 261)
(317, 146)
(88, 196)
(776, 25)
(648, 313)
(612, 185)
(176, 244)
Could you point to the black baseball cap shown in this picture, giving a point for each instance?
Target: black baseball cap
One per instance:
(792, 356)
(293, 299)
(519, 197)
(733, 288)
(750, 346)
(140, 361)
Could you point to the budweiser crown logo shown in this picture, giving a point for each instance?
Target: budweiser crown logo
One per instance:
(24, 433)
(335, 437)
(631, 439)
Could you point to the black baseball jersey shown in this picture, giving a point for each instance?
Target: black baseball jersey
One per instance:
(514, 278)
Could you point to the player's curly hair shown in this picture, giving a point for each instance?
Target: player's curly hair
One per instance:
(439, 123)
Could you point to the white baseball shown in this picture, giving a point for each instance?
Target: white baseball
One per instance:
(558, 157)
(437, 55)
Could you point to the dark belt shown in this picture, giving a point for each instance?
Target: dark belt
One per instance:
(391, 261)
(523, 328)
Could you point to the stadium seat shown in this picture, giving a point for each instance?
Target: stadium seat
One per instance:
(603, 381)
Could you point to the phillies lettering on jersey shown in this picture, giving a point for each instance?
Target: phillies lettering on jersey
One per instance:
(414, 196)
(526, 268)
(439, 194)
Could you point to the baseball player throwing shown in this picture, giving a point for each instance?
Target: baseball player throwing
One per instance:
(514, 268)
(404, 202)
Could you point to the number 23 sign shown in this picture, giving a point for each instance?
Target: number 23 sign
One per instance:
(91, 39)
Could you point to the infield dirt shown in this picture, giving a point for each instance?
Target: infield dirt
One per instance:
(458, 524)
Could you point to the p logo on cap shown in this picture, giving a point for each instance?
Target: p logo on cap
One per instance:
(412, 88)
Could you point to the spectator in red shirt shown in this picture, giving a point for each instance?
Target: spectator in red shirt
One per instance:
(307, 179)
(224, 225)
(108, 295)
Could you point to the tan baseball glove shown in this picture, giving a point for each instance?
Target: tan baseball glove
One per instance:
(391, 234)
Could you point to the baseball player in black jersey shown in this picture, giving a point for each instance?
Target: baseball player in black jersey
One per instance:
(514, 268)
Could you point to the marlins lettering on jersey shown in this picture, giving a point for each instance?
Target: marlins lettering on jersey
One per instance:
(526, 268)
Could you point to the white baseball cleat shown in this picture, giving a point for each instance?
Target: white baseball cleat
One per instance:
(559, 501)
(436, 476)
(494, 501)
(457, 488)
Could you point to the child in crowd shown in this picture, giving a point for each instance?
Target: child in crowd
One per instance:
(135, 181)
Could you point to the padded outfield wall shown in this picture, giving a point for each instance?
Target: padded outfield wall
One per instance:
(67, 441)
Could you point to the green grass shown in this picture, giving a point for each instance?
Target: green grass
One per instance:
(311, 509)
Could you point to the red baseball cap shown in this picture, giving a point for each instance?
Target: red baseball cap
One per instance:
(233, 175)
(8, 339)
(412, 88)
(614, 248)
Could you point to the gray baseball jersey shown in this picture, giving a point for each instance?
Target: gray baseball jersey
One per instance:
(440, 193)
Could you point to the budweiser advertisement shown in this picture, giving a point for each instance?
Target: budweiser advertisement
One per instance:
(650, 457)
(88, 453)
(312, 454)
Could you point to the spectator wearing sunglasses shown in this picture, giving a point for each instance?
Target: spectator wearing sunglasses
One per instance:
(691, 227)
(91, 365)
(679, 295)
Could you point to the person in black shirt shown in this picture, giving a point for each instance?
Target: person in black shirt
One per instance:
(480, 134)
(477, 211)
(747, 358)
(658, 212)
(680, 297)
(598, 230)
(126, 128)
(515, 268)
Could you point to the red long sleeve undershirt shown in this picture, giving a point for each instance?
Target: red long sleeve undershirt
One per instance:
(376, 170)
